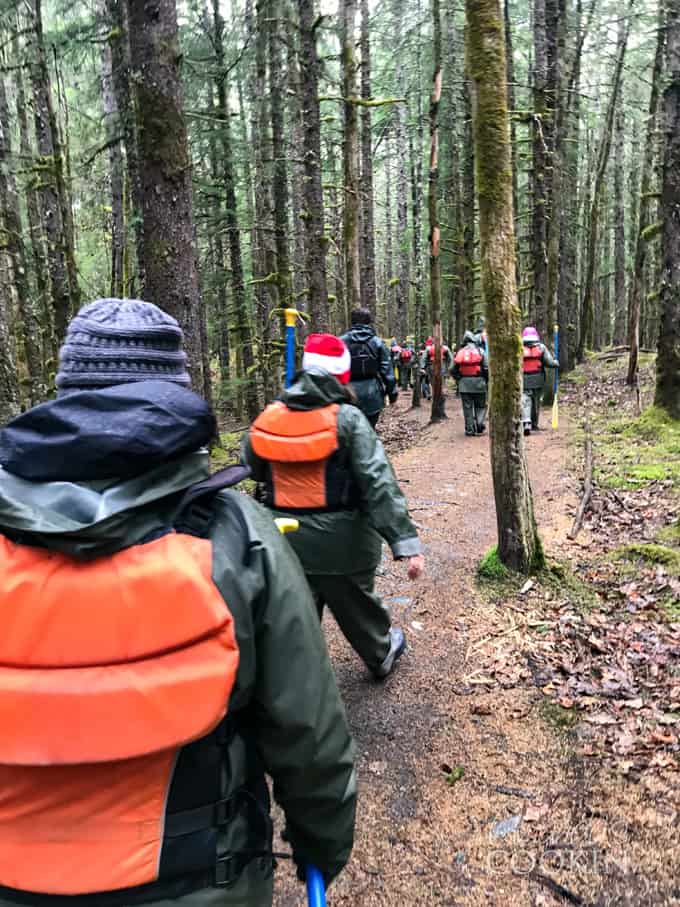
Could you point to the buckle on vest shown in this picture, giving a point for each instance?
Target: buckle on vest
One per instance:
(227, 870)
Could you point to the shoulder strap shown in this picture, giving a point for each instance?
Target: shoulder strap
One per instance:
(195, 512)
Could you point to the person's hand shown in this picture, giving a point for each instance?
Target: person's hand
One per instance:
(416, 565)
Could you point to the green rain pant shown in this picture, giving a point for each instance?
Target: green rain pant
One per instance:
(474, 413)
(404, 376)
(359, 612)
(531, 405)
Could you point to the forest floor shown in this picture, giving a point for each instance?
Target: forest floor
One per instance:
(525, 751)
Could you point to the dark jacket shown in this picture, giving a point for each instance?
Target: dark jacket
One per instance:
(372, 391)
(135, 449)
(346, 541)
(537, 380)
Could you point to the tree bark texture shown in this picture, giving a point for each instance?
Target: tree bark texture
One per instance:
(9, 384)
(368, 281)
(47, 170)
(519, 546)
(541, 162)
(121, 69)
(636, 289)
(667, 393)
(13, 243)
(416, 142)
(350, 157)
(620, 304)
(437, 413)
(313, 212)
(587, 307)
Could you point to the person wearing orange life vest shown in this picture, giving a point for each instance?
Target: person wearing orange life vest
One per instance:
(427, 359)
(321, 463)
(535, 359)
(160, 650)
(406, 361)
(471, 371)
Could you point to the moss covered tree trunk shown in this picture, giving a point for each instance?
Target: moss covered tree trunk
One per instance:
(313, 212)
(437, 413)
(540, 166)
(636, 288)
(667, 393)
(165, 166)
(519, 546)
(368, 288)
(620, 306)
(350, 157)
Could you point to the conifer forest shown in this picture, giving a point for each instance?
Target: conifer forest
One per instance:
(277, 153)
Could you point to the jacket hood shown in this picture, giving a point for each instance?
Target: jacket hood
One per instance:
(86, 473)
(469, 337)
(313, 389)
(360, 332)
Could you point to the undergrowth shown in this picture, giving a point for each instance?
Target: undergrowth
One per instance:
(631, 453)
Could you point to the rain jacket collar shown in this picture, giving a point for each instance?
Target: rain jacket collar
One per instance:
(313, 389)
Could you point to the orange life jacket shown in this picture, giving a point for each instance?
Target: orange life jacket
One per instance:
(406, 355)
(306, 464)
(108, 668)
(430, 352)
(469, 362)
(532, 361)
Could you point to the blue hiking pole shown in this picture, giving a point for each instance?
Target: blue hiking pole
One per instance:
(556, 378)
(316, 890)
(291, 315)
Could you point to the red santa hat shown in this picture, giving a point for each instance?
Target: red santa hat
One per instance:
(328, 353)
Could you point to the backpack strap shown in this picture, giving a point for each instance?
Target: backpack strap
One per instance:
(195, 511)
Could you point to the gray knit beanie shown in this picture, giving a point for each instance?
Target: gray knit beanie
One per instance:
(118, 341)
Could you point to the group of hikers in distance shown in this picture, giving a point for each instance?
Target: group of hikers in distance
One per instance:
(162, 649)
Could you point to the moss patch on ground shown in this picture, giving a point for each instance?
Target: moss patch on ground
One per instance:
(632, 453)
(557, 716)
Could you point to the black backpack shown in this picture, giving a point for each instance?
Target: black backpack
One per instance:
(365, 360)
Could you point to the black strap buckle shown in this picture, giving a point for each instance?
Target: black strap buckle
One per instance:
(227, 870)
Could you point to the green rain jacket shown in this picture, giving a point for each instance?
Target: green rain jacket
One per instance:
(346, 541)
(472, 385)
(536, 380)
(288, 717)
(371, 392)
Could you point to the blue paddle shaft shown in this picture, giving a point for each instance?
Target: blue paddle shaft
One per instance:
(316, 890)
(290, 355)
(557, 357)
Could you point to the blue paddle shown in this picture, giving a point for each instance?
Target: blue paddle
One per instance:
(316, 890)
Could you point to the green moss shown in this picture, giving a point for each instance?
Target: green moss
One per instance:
(455, 775)
(491, 568)
(671, 534)
(652, 554)
(557, 716)
(634, 452)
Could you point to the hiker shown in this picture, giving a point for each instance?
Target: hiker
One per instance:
(471, 371)
(406, 360)
(535, 359)
(372, 375)
(427, 361)
(321, 464)
(395, 358)
(160, 648)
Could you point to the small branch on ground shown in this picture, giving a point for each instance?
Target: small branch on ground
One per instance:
(587, 486)
(560, 890)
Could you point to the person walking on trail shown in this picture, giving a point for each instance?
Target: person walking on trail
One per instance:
(160, 649)
(406, 361)
(372, 375)
(535, 359)
(427, 361)
(395, 358)
(471, 371)
(321, 463)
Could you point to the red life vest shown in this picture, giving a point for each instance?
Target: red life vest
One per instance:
(532, 361)
(430, 352)
(406, 355)
(469, 362)
(302, 450)
(108, 668)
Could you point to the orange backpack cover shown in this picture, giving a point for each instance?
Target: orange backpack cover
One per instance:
(107, 669)
(469, 361)
(532, 361)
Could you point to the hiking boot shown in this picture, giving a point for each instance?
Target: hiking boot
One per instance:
(397, 646)
(527, 428)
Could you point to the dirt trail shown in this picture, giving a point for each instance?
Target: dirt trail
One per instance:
(421, 840)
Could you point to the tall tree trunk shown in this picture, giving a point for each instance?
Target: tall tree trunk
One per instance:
(38, 249)
(587, 306)
(169, 253)
(313, 192)
(14, 245)
(337, 310)
(121, 69)
(350, 157)
(297, 166)
(389, 245)
(420, 318)
(112, 122)
(539, 173)
(467, 219)
(49, 166)
(9, 384)
(435, 235)
(519, 546)
(620, 305)
(244, 347)
(636, 288)
(368, 282)
(220, 272)
(280, 181)
(667, 394)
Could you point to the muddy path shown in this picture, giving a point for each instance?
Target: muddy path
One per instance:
(441, 760)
